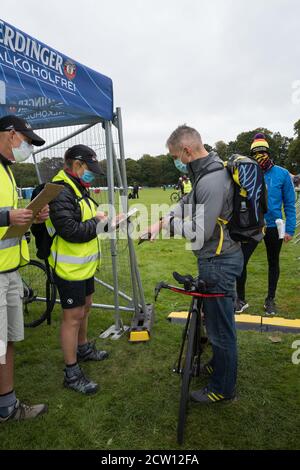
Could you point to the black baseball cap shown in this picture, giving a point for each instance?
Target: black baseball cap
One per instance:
(11, 122)
(84, 154)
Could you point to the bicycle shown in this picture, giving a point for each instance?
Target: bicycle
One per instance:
(175, 196)
(39, 293)
(193, 341)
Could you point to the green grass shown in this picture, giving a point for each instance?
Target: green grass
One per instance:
(138, 402)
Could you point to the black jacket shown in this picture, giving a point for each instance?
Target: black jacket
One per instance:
(65, 214)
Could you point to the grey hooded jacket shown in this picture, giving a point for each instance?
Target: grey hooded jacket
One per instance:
(213, 196)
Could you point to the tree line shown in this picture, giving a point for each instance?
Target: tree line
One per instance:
(160, 170)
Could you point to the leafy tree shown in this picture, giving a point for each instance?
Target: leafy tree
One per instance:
(49, 167)
(208, 148)
(25, 175)
(133, 171)
(294, 151)
(169, 173)
(221, 149)
(278, 144)
(280, 149)
(244, 140)
(297, 128)
(150, 170)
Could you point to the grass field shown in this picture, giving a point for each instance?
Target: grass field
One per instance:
(138, 402)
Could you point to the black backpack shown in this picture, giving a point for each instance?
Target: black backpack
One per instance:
(247, 220)
(43, 240)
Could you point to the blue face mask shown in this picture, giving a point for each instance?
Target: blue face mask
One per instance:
(182, 167)
(87, 176)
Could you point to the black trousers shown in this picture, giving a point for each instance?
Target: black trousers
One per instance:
(273, 247)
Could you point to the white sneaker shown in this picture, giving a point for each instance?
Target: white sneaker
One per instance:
(241, 306)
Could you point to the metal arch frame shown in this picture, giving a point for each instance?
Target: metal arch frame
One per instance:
(119, 171)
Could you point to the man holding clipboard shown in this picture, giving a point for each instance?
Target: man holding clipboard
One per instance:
(16, 145)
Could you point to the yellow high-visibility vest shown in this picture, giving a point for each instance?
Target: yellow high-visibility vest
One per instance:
(13, 251)
(187, 187)
(74, 261)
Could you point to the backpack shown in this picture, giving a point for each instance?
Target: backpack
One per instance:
(249, 199)
(43, 240)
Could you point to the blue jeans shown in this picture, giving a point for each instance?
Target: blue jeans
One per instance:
(221, 273)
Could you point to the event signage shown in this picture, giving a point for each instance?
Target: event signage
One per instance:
(46, 87)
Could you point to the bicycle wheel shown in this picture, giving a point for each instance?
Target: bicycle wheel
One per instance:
(39, 293)
(175, 197)
(187, 375)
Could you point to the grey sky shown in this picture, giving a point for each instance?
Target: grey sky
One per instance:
(222, 66)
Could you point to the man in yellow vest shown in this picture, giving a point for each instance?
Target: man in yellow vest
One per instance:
(74, 258)
(187, 185)
(16, 141)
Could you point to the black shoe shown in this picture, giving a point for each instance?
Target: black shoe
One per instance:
(240, 306)
(270, 306)
(204, 396)
(79, 382)
(91, 353)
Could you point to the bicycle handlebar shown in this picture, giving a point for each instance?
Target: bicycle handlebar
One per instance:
(194, 287)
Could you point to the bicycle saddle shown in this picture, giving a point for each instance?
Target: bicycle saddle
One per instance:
(189, 283)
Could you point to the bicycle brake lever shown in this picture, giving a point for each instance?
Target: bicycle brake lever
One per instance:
(159, 286)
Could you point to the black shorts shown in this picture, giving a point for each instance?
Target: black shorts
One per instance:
(73, 293)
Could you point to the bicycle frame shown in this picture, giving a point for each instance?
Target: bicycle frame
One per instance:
(189, 366)
(195, 309)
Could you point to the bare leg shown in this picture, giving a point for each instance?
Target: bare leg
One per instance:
(82, 334)
(7, 371)
(70, 326)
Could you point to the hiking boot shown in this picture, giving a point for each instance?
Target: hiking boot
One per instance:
(240, 306)
(89, 352)
(79, 382)
(20, 411)
(270, 306)
(204, 396)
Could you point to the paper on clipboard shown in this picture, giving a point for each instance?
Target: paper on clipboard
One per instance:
(49, 193)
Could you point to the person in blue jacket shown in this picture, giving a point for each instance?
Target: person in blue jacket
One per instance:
(281, 195)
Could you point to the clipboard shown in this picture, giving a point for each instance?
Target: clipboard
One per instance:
(50, 192)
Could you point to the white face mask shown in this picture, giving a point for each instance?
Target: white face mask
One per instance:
(22, 152)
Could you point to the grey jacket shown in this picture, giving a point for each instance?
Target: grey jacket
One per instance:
(213, 196)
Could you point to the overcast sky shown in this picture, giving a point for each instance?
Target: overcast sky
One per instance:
(222, 66)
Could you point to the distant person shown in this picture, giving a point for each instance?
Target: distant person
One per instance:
(179, 186)
(187, 185)
(281, 194)
(296, 181)
(135, 191)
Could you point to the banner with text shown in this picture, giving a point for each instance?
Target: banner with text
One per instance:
(47, 88)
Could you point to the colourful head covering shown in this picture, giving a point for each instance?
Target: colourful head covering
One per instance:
(260, 151)
(259, 144)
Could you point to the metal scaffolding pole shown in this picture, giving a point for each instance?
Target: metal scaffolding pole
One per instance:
(117, 329)
(136, 274)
